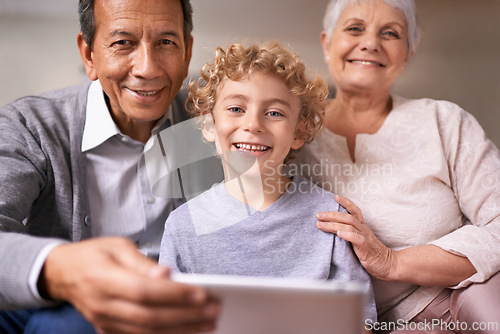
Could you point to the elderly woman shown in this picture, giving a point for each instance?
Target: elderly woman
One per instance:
(422, 171)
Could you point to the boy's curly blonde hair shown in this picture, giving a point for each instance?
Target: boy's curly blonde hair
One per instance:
(237, 61)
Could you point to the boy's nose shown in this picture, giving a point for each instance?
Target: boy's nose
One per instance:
(253, 123)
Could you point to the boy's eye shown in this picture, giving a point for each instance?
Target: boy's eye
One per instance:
(236, 109)
(274, 114)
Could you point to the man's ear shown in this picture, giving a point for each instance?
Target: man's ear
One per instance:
(300, 135)
(87, 57)
(187, 59)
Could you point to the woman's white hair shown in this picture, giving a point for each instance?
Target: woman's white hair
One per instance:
(336, 7)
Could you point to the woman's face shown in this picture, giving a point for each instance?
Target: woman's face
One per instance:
(368, 49)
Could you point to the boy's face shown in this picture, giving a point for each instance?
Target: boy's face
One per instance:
(258, 118)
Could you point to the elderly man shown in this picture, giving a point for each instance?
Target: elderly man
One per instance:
(72, 168)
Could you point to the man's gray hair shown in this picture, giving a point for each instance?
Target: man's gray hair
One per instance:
(88, 26)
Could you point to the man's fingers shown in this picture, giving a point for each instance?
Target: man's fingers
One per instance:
(127, 255)
(127, 274)
(124, 328)
(122, 283)
(130, 317)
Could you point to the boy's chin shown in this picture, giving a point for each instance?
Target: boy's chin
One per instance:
(253, 172)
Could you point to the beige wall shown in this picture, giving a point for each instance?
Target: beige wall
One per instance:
(37, 53)
(458, 59)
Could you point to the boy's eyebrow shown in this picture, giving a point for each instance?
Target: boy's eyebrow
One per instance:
(235, 96)
(277, 100)
(243, 97)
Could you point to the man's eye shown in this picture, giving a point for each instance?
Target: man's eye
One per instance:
(121, 43)
(166, 42)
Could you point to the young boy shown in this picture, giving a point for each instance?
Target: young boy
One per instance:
(257, 104)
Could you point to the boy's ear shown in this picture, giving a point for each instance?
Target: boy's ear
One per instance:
(208, 127)
(300, 135)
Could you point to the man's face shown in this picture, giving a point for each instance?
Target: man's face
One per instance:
(139, 56)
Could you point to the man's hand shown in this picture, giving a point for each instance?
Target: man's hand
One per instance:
(121, 291)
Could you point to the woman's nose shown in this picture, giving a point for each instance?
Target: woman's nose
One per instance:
(370, 42)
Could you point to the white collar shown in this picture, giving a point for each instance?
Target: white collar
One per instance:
(99, 126)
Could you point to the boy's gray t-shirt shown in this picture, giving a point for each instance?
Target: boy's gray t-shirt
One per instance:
(216, 234)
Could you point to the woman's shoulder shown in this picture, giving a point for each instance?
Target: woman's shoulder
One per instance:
(424, 105)
(442, 111)
(452, 122)
(428, 106)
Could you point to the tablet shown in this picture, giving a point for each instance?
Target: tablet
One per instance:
(254, 305)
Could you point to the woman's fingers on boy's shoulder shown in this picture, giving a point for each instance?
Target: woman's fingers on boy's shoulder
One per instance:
(350, 207)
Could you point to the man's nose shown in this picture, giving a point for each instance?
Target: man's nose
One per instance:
(146, 62)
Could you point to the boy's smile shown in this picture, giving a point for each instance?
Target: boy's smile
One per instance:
(251, 147)
(257, 116)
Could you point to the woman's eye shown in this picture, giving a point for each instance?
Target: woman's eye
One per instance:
(391, 34)
(354, 29)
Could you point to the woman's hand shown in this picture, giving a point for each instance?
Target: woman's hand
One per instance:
(377, 259)
(423, 265)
